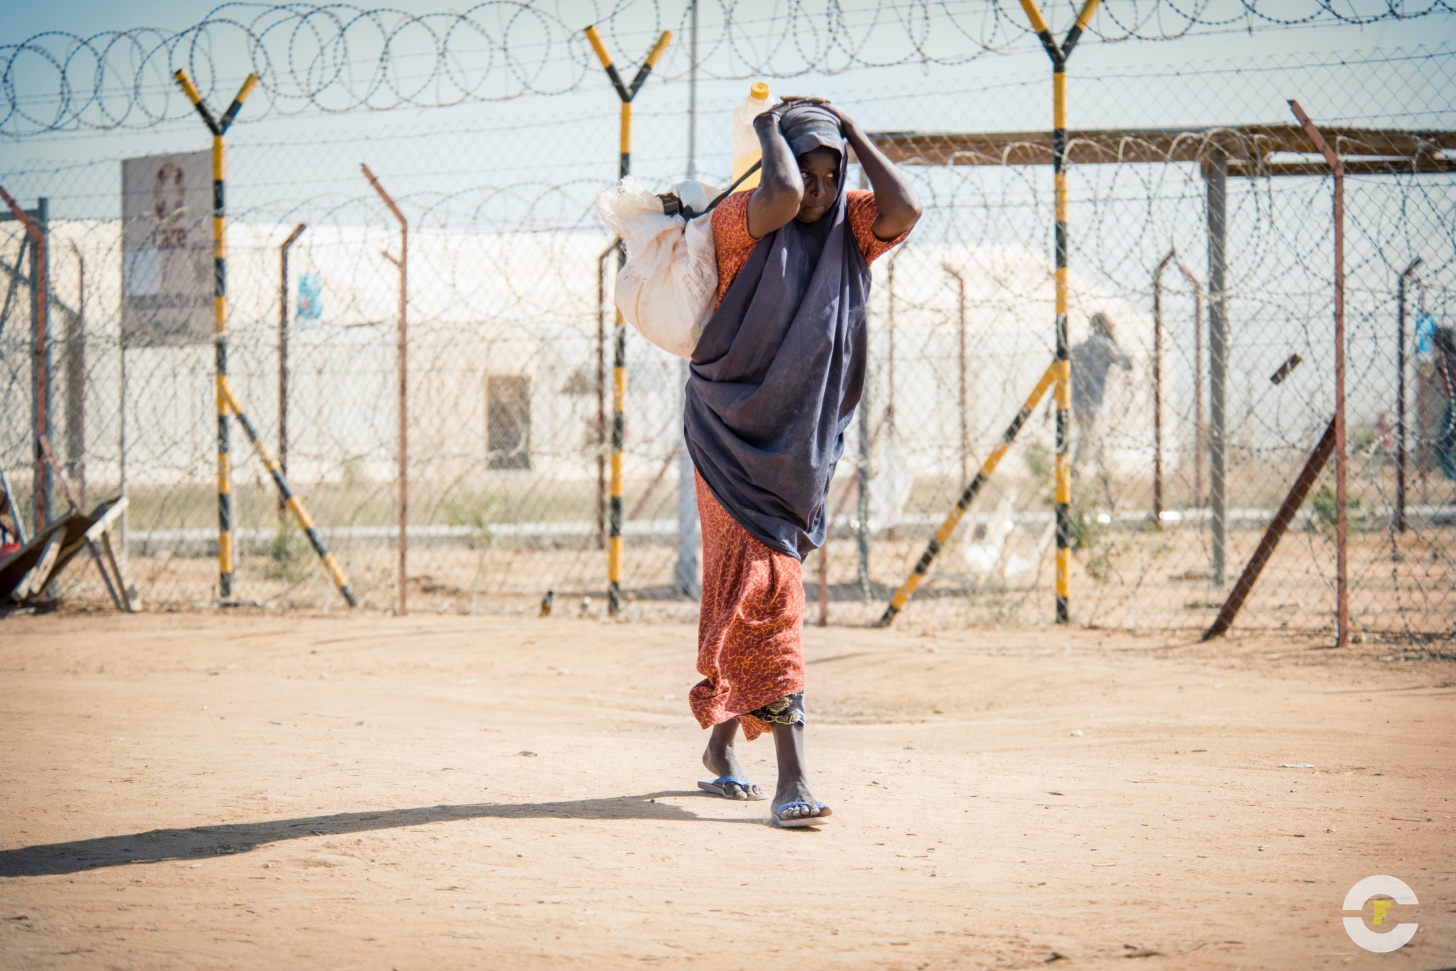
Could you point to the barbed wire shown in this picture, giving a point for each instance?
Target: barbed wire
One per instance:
(341, 58)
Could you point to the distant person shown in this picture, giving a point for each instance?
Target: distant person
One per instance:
(1091, 360)
(1444, 341)
(775, 379)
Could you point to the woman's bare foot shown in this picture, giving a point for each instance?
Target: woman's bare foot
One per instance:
(793, 799)
(720, 759)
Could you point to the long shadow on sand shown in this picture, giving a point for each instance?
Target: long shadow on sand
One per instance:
(203, 842)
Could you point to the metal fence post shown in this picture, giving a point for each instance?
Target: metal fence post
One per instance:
(687, 570)
(283, 349)
(862, 473)
(1158, 384)
(45, 357)
(619, 357)
(402, 263)
(219, 127)
(76, 381)
(862, 479)
(227, 402)
(1216, 176)
(602, 394)
(962, 401)
(1408, 274)
(1063, 390)
(121, 441)
(1342, 582)
(1197, 286)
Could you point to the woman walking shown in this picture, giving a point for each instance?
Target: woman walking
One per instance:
(774, 381)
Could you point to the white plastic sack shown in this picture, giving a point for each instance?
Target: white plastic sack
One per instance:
(667, 287)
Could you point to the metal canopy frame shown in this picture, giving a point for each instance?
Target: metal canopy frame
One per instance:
(1246, 151)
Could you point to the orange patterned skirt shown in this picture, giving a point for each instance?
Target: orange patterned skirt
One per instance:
(750, 651)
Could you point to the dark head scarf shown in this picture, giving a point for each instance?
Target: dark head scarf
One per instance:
(780, 366)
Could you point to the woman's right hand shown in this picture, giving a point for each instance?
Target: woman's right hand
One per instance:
(767, 120)
(780, 187)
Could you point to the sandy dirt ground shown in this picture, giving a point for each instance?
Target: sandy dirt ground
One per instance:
(249, 790)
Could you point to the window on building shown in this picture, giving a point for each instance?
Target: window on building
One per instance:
(508, 421)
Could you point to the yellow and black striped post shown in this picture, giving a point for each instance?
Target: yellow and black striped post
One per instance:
(292, 502)
(1063, 365)
(619, 335)
(953, 519)
(227, 403)
(219, 127)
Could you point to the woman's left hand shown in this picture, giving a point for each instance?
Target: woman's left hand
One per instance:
(845, 122)
(899, 209)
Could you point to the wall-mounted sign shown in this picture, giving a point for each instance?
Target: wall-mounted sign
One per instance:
(310, 299)
(166, 250)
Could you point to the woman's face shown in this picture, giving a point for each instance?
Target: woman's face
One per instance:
(820, 171)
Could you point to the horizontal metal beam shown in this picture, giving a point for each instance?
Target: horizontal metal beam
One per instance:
(1245, 144)
(1355, 166)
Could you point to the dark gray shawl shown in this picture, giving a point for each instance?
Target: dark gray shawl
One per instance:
(780, 367)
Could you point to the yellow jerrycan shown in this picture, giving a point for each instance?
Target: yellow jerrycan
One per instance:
(745, 139)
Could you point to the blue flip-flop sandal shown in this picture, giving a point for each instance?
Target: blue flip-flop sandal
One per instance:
(801, 821)
(719, 787)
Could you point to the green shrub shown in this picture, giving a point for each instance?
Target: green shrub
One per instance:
(1038, 459)
(475, 509)
(1323, 505)
(1091, 537)
(290, 555)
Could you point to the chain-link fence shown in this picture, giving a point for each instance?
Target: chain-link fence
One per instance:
(1194, 409)
(1194, 405)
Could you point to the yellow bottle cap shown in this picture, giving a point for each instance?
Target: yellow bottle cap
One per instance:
(759, 91)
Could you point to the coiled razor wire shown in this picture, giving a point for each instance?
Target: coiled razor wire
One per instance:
(339, 57)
